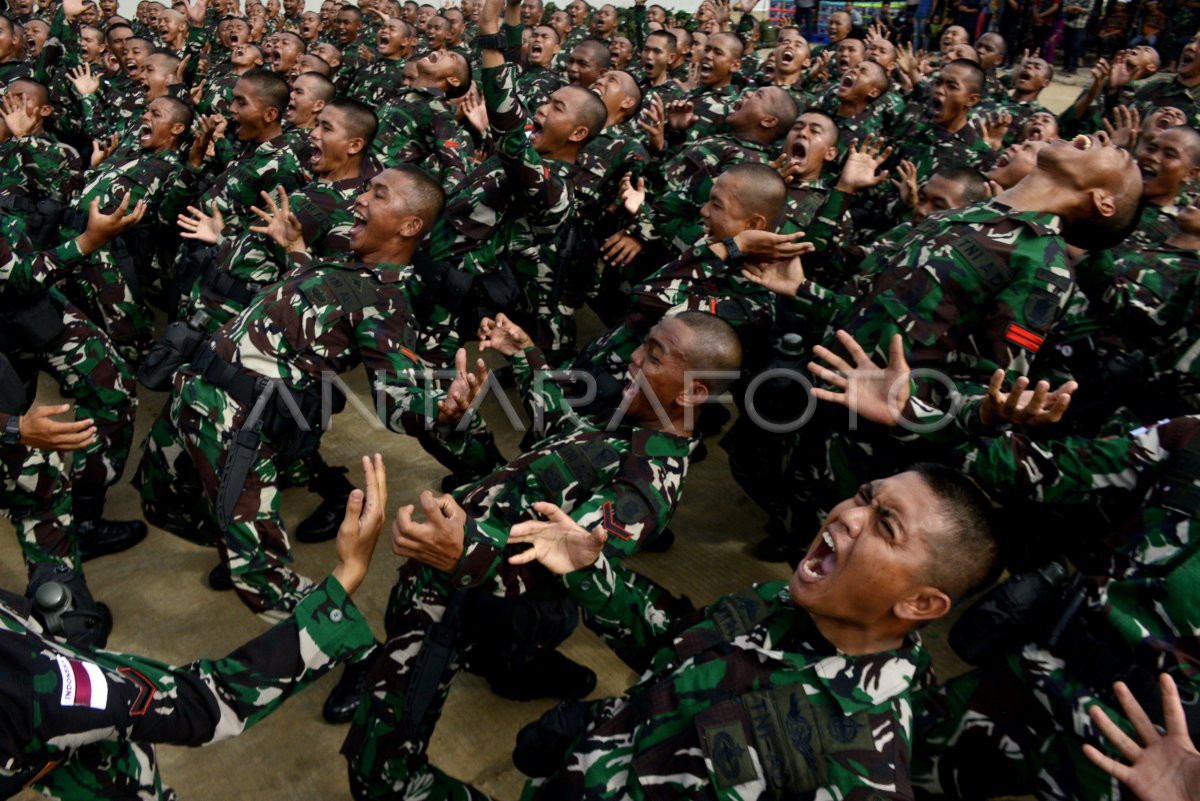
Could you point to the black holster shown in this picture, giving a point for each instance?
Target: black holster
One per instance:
(32, 323)
(178, 346)
(78, 619)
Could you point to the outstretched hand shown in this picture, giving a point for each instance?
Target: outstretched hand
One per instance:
(1022, 406)
(559, 543)
(463, 389)
(361, 525)
(195, 224)
(103, 228)
(781, 277)
(872, 392)
(281, 224)
(502, 335)
(1165, 767)
(861, 170)
(632, 199)
(40, 430)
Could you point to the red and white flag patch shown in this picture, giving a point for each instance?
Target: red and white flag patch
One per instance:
(83, 683)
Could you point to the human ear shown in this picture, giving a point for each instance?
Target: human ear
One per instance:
(922, 605)
(1104, 202)
(579, 134)
(769, 121)
(694, 395)
(356, 145)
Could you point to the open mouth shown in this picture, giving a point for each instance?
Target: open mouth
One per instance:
(144, 133)
(360, 223)
(799, 150)
(1082, 142)
(821, 560)
(936, 106)
(317, 154)
(787, 56)
(1005, 158)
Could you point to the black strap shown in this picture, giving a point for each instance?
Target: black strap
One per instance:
(240, 292)
(241, 384)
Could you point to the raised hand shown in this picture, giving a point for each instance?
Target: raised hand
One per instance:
(103, 228)
(359, 532)
(680, 114)
(621, 248)
(475, 110)
(631, 198)
(1022, 406)
(206, 129)
(502, 335)
(1123, 126)
(781, 277)
(40, 430)
(195, 224)
(862, 164)
(768, 246)
(438, 542)
(86, 83)
(748, 6)
(870, 391)
(653, 121)
(281, 224)
(463, 389)
(1165, 767)
(906, 183)
(101, 151)
(994, 127)
(559, 543)
(19, 121)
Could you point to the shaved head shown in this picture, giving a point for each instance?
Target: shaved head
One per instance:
(760, 190)
(715, 347)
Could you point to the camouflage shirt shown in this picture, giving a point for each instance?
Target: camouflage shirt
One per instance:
(1169, 92)
(744, 699)
(377, 82)
(97, 713)
(536, 84)
(418, 127)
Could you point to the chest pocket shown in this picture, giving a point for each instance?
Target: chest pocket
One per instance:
(574, 470)
(794, 741)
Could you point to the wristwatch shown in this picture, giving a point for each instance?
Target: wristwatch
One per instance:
(735, 256)
(492, 41)
(12, 431)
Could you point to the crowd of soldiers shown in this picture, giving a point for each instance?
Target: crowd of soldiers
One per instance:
(924, 315)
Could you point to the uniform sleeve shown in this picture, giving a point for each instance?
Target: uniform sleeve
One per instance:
(452, 148)
(1067, 470)
(523, 166)
(542, 395)
(86, 697)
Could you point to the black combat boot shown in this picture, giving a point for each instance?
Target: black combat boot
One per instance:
(97, 536)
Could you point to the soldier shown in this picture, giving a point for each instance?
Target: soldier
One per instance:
(309, 95)
(942, 134)
(540, 78)
(1033, 75)
(713, 100)
(418, 126)
(12, 66)
(83, 722)
(1170, 164)
(959, 321)
(218, 90)
(626, 477)
(1180, 92)
(856, 104)
(34, 165)
(378, 81)
(347, 25)
(109, 286)
(742, 669)
(588, 60)
(656, 59)
(335, 315)
(791, 59)
(759, 120)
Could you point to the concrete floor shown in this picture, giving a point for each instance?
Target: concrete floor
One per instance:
(164, 609)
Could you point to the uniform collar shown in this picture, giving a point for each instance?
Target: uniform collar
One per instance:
(861, 682)
(1041, 223)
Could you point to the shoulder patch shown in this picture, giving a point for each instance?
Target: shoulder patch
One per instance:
(83, 683)
(1023, 337)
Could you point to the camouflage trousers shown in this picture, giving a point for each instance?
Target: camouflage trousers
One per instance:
(102, 288)
(1015, 728)
(97, 380)
(182, 462)
(35, 494)
(386, 746)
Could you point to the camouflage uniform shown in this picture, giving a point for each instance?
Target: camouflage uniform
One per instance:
(377, 82)
(1021, 111)
(109, 286)
(674, 219)
(418, 127)
(327, 318)
(38, 167)
(83, 722)
(623, 477)
(744, 698)
(251, 262)
(235, 186)
(1017, 726)
(1169, 92)
(971, 290)
(930, 148)
(501, 217)
(711, 106)
(536, 84)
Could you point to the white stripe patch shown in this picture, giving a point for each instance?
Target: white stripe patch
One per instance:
(83, 683)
